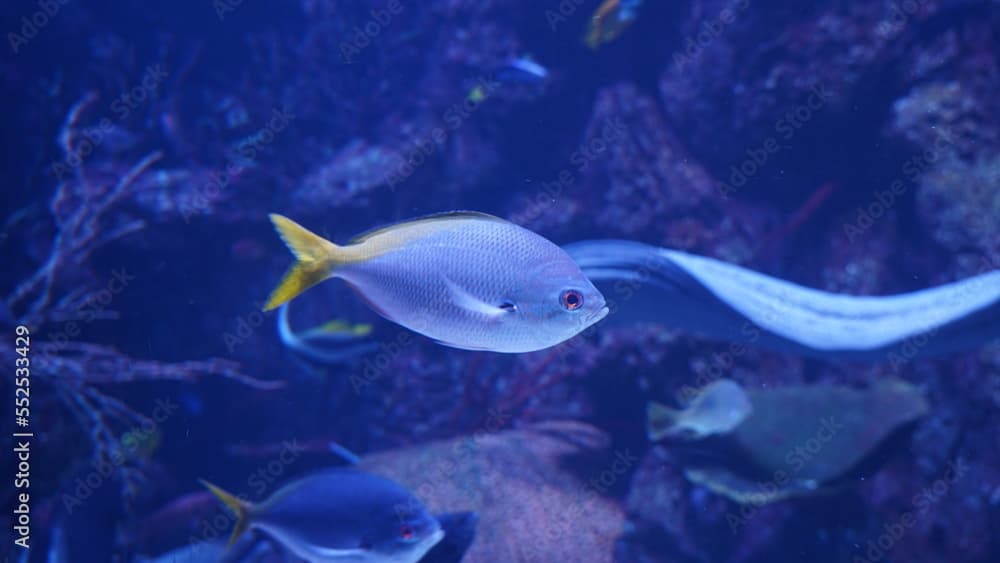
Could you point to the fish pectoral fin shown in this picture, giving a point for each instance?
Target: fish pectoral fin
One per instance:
(336, 554)
(470, 302)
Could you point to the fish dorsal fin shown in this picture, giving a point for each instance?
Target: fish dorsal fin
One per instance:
(443, 216)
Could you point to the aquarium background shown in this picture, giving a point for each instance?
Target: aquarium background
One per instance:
(846, 146)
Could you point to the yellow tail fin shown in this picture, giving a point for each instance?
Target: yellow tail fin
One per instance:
(240, 509)
(314, 255)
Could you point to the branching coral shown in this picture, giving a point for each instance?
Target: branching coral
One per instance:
(53, 303)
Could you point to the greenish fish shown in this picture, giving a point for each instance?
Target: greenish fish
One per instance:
(467, 280)
(718, 408)
(340, 515)
(333, 342)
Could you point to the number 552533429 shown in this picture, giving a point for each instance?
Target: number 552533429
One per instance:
(22, 375)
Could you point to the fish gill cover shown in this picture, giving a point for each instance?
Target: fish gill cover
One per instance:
(849, 147)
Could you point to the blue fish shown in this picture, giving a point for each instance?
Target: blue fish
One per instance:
(340, 515)
(467, 280)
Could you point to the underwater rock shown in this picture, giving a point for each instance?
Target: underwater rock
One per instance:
(954, 79)
(348, 177)
(672, 521)
(727, 65)
(948, 481)
(799, 438)
(649, 173)
(632, 172)
(950, 126)
(855, 265)
(531, 506)
(959, 204)
(459, 533)
(803, 80)
(943, 116)
(635, 170)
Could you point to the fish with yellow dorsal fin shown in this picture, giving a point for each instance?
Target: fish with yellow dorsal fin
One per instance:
(467, 280)
(340, 515)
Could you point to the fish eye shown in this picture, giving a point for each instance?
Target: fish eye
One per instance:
(406, 532)
(571, 299)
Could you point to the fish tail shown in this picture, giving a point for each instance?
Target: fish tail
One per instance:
(240, 509)
(659, 420)
(315, 258)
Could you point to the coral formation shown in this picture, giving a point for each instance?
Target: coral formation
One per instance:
(847, 146)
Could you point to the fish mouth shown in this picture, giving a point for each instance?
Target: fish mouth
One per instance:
(432, 540)
(598, 314)
(416, 551)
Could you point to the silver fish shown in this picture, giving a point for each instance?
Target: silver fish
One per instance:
(467, 280)
(340, 515)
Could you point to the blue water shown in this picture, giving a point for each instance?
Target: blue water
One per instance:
(847, 147)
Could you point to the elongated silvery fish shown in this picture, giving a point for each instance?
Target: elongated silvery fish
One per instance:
(341, 515)
(467, 280)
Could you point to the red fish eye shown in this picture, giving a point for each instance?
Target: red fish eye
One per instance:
(406, 532)
(571, 299)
